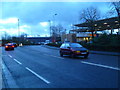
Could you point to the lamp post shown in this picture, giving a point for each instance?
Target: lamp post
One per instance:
(50, 27)
(54, 18)
(18, 33)
(18, 29)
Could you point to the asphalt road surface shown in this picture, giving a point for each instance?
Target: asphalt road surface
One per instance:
(41, 67)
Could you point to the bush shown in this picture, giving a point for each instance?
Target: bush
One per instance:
(54, 44)
(104, 43)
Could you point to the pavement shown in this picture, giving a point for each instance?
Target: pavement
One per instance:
(92, 52)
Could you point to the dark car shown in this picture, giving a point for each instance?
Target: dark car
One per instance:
(15, 44)
(9, 46)
(73, 49)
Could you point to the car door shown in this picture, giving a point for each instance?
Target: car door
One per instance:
(66, 49)
(62, 48)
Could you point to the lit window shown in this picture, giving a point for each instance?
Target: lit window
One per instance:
(116, 21)
(95, 24)
(105, 23)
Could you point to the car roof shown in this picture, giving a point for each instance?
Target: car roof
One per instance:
(9, 44)
(70, 43)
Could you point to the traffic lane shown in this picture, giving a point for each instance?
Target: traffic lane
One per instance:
(82, 77)
(106, 60)
(43, 69)
(23, 77)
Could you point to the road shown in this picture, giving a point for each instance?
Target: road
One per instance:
(41, 67)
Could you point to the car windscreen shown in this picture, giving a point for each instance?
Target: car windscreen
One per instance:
(75, 45)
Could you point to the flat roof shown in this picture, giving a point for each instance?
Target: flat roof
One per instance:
(100, 25)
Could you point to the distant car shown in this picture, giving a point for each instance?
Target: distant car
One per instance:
(9, 46)
(15, 44)
(73, 49)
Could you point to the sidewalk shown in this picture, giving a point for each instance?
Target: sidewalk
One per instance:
(7, 78)
(92, 52)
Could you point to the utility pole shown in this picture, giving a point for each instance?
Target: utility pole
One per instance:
(18, 33)
(50, 28)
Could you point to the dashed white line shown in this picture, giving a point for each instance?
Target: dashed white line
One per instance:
(100, 65)
(10, 56)
(54, 56)
(17, 61)
(46, 81)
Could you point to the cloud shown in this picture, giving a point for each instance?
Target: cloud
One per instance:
(44, 24)
(34, 16)
(9, 21)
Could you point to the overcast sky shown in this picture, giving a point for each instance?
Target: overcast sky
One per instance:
(33, 16)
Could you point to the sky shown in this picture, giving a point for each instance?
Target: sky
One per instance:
(34, 17)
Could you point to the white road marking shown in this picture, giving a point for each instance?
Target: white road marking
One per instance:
(17, 61)
(37, 75)
(115, 68)
(10, 56)
(54, 56)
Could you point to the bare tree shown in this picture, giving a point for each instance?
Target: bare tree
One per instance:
(90, 15)
(56, 31)
(114, 8)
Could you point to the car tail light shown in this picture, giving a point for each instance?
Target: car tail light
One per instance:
(6, 46)
(12, 46)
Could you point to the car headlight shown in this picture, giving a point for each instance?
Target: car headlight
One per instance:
(77, 51)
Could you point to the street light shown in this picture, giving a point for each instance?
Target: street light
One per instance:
(50, 27)
(18, 33)
(18, 29)
(54, 18)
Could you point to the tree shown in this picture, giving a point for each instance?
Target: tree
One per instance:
(114, 8)
(90, 15)
(56, 31)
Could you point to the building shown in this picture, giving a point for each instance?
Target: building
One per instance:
(68, 37)
(86, 33)
(38, 40)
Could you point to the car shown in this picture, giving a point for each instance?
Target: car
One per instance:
(15, 44)
(73, 49)
(9, 46)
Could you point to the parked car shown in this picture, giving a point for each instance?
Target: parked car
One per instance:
(73, 49)
(9, 46)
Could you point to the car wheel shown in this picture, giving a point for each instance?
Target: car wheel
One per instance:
(61, 54)
(86, 56)
(72, 55)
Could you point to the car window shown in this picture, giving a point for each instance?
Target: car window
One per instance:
(62, 46)
(67, 45)
(75, 45)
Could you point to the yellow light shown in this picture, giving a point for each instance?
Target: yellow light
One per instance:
(78, 51)
(105, 23)
(87, 51)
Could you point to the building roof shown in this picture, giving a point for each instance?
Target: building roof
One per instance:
(100, 25)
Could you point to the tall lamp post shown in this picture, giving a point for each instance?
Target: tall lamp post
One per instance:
(18, 33)
(54, 35)
(50, 27)
(54, 18)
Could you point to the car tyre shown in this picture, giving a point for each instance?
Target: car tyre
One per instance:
(86, 56)
(61, 54)
(72, 55)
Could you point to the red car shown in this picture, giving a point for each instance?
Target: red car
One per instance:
(9, 46)
(73, 49)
